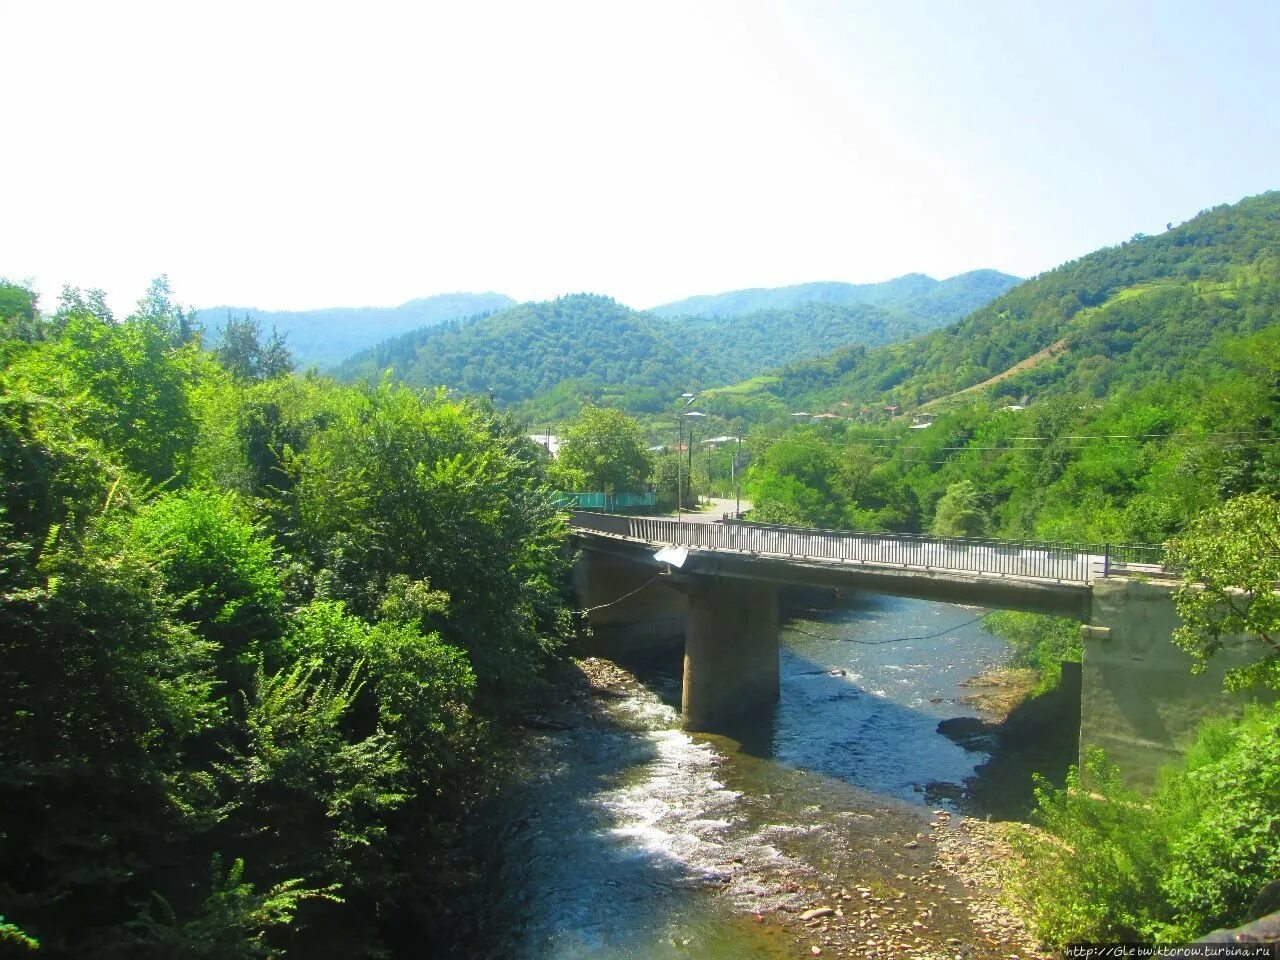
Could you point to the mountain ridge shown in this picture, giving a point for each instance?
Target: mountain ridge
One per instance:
(886, 293)
(1160, 301)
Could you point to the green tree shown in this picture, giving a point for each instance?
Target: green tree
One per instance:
(158, 306)
(243, 354)
(1230, 563)
(960, 512)
(19, 314)
(608, 448)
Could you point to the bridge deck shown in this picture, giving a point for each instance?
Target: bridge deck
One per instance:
(1028, 560)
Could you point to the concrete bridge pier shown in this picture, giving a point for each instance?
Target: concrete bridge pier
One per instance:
(730, 650)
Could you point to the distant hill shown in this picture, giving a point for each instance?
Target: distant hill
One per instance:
(533, 348)
(1149, 310)
(915, 295)
(549, 358)
(325, 337)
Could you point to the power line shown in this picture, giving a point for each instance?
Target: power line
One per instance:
(876, 643)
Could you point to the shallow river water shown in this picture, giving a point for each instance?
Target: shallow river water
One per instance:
(633, 839)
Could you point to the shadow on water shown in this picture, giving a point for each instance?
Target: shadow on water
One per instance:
(611, 838)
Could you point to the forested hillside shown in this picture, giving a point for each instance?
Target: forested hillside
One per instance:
(257, 632)
(1151, 306)
(549, 358)
(323, 338)
(916, 295)
(1159, 401)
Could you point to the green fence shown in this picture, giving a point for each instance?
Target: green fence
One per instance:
(607, 502)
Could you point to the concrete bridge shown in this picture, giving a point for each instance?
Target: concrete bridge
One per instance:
(645, 581)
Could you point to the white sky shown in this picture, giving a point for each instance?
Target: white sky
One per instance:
(284, 155)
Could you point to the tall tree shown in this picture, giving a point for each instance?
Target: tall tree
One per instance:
(1230, 559)
(609, 448)
(960, 512)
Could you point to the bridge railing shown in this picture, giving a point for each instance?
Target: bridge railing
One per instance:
(1078, 562)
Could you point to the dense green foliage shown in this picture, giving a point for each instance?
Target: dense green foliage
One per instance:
(324, 338)
(572, 347)
(934, 301)
(255, 632)
(1162, 403)
(1197, 853)
(1230, 559)
(1189, 858)
(960, 512)
(590, 350)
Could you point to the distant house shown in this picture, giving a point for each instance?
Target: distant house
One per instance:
(892, 410)
(825, 417)
(1012, 408)
(548, 441)
(922, 421)
(717, 442)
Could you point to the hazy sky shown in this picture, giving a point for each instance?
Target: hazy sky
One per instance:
(287, 155)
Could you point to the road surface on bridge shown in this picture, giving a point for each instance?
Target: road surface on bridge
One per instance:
(1036, 560)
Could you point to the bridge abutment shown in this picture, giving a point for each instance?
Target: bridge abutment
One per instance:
(730, 651)
(1139, 700)
(628, 611)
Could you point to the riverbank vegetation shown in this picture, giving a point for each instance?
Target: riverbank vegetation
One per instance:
(1039, 642)
(257, 632)
(1193, 856)
(1201, 851)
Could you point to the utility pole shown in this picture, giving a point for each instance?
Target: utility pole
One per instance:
(737, 488)
(710, 489)
(679, 477)
(691, 456)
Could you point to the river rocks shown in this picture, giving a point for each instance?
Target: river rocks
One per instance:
(538, 721)
(971, 733)
(817, 912)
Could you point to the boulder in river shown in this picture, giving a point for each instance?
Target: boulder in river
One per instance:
(971, 733)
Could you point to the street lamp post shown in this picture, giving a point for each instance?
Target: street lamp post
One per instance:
(737, 480)
(691, 415)
(688, 399)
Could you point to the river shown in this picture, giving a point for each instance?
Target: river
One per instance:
(629, 838)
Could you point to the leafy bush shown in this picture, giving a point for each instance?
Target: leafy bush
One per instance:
(1112, 865)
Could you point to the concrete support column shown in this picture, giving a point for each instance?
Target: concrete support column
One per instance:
(730, 651)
